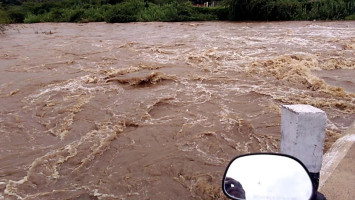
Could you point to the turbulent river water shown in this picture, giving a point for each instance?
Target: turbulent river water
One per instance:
(157, 110)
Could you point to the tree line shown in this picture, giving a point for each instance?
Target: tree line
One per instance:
(292, 10)
(33, 11)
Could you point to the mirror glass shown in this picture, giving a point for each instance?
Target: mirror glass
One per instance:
(264, 176)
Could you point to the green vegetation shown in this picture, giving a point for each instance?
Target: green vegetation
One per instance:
(291, 9)
(4, 19)
(350, 17)
(108, 10)
(33, 11)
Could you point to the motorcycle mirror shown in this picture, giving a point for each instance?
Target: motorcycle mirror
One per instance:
(267, 176)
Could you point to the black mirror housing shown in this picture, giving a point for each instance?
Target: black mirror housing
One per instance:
(262, 176)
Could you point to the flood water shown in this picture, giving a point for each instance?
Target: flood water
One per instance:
(157, 110)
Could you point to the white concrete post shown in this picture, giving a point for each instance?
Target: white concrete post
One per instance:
(302, 135)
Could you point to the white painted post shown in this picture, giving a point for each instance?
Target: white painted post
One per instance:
(302, 135)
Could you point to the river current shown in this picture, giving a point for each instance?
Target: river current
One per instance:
(157, 110)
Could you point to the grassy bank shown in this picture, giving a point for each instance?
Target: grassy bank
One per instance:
(33, 11)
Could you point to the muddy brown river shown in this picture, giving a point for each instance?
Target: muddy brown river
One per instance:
(157, 110)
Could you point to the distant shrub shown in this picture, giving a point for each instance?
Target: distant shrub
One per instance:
(4, 20)
(16, 14)
(67, 15)
(328, 9)
(93, 15)
(124, 12)
(154, 12)
(350, 17)
(31, 18)
(222, 13)
(213, 13)
(75, 15)
(181, 12)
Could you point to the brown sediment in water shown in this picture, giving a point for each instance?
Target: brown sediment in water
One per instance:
(297, 70)
(142, 79)
(157, 110)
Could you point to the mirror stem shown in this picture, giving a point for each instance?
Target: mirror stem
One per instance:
(315, 180)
